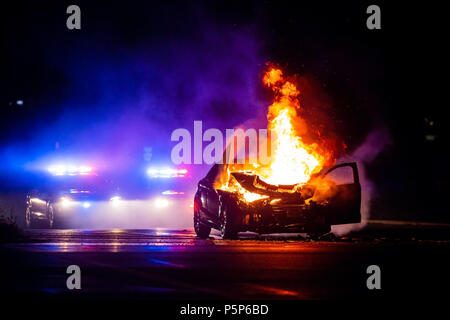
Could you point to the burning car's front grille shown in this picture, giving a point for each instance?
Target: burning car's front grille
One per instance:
(289, 210)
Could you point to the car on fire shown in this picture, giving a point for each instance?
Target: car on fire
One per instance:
(310, 208)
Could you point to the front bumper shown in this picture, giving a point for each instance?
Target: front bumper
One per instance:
(266, 217)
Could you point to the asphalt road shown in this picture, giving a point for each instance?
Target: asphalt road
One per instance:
(167, 264)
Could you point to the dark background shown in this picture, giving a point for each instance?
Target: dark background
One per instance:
(138, 70)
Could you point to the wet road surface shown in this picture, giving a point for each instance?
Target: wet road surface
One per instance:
(167, 264)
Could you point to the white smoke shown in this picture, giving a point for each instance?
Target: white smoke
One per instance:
(375, 142)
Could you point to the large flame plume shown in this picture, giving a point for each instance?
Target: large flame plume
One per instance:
(292, 161)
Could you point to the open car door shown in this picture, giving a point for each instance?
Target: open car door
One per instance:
(344, 206)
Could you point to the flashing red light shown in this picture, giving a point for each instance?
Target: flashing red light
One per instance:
(166, 173)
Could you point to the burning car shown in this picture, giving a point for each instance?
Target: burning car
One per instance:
(265, 208)
(293, 191)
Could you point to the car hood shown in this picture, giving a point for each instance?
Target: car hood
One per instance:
(254, 184)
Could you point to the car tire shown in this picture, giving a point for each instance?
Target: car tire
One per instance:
(29, 221)
(50, 216)
(201, 230)
(228, 223)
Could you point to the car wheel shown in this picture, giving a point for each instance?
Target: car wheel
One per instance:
(228, 225)
(201, 230)
(51, 216)
(29, 221)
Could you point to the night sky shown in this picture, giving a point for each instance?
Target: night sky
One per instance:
(138, 70)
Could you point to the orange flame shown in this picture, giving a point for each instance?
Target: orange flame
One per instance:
(293, 161)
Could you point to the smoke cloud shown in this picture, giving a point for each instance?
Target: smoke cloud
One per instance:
(373, 145)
